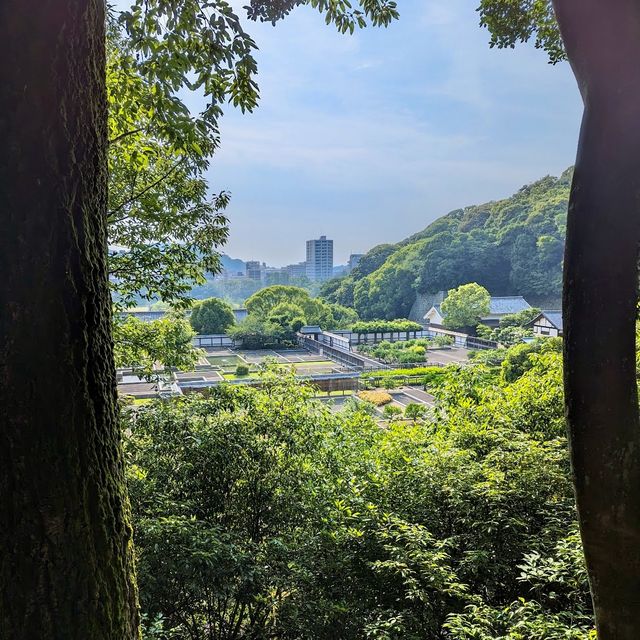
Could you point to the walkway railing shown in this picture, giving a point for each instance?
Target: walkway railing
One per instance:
(217, 340)
(340, 355)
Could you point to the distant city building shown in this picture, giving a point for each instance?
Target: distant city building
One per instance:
(276, 276)
(319, 264)
(228, 275)
(296, 271)
(354, 259)
(254, 270)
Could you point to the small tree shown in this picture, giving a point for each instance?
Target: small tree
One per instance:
(391, 411)
(212, 316)
(464, 306)
(153, 348)
(415, 411)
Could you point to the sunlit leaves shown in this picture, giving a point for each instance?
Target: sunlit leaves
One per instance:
(151, 349)
(345, 16)
(513, 21)
(164, 225)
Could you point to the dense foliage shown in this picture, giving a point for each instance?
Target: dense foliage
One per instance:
(513, 246)
(261, 514)
(401, 352)
(429, 377)
(520, 358)
(255, 333)
(212, 316)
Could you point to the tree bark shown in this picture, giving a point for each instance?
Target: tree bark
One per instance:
(600, 298)
(65, 538)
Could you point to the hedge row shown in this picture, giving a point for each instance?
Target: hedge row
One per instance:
(385, 326)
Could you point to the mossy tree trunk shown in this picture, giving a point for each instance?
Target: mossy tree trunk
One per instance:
(600, 297)
(65, 539)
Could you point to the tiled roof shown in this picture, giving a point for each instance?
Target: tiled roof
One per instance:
(507, 304)
(310, 330)
(554, 317)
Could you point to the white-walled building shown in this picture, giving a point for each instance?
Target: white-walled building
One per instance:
(548, 323)
(499, 306)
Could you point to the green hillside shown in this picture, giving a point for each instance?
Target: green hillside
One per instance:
(512, 246)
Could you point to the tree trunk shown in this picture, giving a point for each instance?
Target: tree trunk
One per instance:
(65, 538)
(600, 297)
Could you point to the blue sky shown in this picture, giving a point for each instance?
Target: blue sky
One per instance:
(368, 138)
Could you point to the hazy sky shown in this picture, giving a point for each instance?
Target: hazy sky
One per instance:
(368, 138)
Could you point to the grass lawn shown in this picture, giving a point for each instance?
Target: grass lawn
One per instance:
(316, 364)
(226, 362)
(233, 376)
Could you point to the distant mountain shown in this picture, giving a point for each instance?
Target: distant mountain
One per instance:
(512, 246)
(232, 265)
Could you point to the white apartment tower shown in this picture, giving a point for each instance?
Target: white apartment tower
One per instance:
(319, 259)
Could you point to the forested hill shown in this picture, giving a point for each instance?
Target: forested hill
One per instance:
(512, 246)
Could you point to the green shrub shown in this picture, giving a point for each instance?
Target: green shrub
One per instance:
(428, 376)
(443, 341)
(391, 411)
(402, 351)
(413, 411)
(242, 370)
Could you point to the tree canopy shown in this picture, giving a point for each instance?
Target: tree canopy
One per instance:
(212, 316)
(314, 310)
(465, 306)
(152, 348)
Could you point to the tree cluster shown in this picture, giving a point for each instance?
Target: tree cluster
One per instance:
(512, 329)
(464, 307)
(276, 313)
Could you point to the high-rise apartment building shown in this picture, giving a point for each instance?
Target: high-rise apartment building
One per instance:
(254, 270)
(319, 259)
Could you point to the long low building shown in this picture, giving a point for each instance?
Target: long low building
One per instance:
(149, 316)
